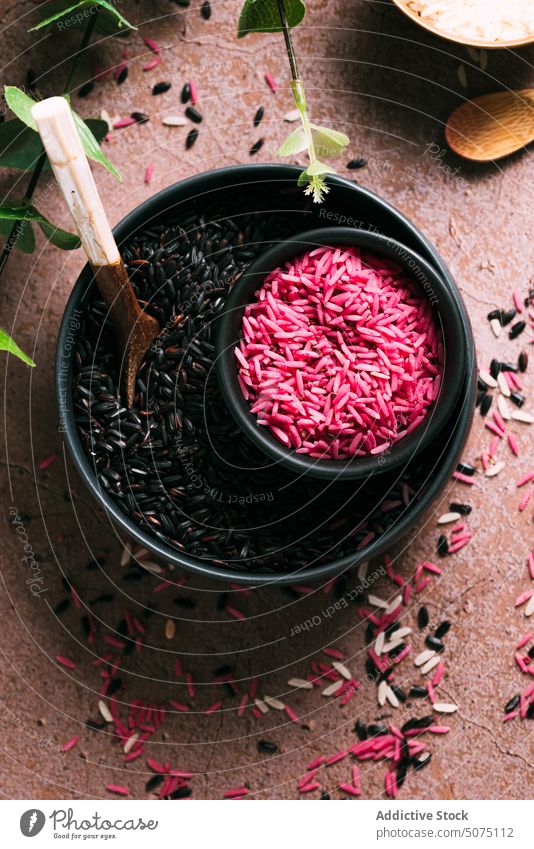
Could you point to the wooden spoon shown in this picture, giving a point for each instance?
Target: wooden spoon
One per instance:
(135, 329)
(493, 125)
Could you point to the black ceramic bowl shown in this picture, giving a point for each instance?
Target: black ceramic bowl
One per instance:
(347, 204)
(447, 315)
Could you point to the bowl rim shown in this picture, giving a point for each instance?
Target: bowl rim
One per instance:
(469, 42)
(197, 185)
(229, 329)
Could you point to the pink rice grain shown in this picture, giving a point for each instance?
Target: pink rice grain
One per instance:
(271, 82)
(193, 92)
(524, 597)
(65, 661)
(464, 478)
(438, 674)
(242, 704)
(236, 793)
(152, 64)
(233, 611)
(213, 708)
(47, 461)
(350, 789)
(525, 500)
(513, 444)
(347, 377)
(118, 789)
(151, 44)
(70, 744)
(149, 173)
(124, 122)
(524, 640)
(291, 714)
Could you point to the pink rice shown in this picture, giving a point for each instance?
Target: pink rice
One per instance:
(340, 355)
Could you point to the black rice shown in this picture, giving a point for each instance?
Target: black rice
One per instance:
(516, 329)
(161, 88)
(193, 115)
(256, 147)
(192, 136)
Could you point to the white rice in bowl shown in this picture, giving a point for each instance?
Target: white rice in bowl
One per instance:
(480, 20)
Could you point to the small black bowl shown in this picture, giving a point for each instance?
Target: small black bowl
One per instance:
(448, 318)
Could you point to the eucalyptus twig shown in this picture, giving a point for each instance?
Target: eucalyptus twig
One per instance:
(281, 16)
(18, 226)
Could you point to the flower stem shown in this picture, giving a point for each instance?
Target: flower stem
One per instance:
(18, 226)
(297, 86)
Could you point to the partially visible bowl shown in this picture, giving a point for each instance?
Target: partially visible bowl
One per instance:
(426, 281)
(347, 203)
(458, 39)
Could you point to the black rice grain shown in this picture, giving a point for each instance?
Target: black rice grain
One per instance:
(422, 617)
(517, 329)
(122, 75)
(205, 10)
(442, 546)
(140, 117)
(459, 507)
(258, 117)
(86, 89)
(361, 729)
(517, 398)
(442, 629)
(256, 147)
(356, 163)
(161, 88)
(522, 361)
(434, 643)
(192, 136)
(485, 405)
(466, 469)
(193, 115)
(267, 747)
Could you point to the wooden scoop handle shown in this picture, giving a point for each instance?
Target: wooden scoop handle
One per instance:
(63, 146)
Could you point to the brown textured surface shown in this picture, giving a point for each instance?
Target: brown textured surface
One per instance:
(391, 87)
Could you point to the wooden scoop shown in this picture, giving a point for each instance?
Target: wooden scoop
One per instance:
(493, 125)
(135, 329)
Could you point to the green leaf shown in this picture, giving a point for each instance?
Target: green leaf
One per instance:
(26, 239)
(24, 212)
(98, 128)
(60, 238)
(303, 179)
(328, 143)
(21, 104)
(73, 15)
(264, 16)
(20, 147)
(318, 168)
(15, 212)
(9, 344)
(90, 145)
(294, 143)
